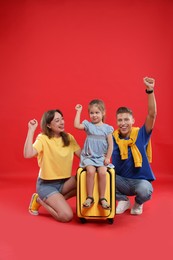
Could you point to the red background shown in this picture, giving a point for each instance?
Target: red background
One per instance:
(55, 54)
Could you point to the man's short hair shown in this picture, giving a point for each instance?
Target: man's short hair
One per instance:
(121, 110)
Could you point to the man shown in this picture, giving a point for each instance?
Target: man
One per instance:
(132, 155)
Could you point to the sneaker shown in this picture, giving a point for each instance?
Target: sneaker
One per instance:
(137, 209)
(122, 206)
(34, 205)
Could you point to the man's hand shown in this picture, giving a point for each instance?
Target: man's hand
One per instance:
(149, 83)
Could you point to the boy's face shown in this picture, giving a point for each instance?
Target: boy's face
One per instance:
(125, 122)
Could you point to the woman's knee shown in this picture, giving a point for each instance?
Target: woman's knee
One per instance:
(65, 216)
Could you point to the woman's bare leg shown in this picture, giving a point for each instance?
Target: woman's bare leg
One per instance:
(70, 188)
(58, 207)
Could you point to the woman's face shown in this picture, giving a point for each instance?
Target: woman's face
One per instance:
(57, 124)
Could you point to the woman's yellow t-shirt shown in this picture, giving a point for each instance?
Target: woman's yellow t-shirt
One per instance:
(54, 159)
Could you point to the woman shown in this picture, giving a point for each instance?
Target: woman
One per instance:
(55, 150)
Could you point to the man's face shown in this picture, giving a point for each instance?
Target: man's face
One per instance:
(125, 122)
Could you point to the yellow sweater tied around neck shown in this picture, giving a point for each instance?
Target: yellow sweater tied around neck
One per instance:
(123, 146)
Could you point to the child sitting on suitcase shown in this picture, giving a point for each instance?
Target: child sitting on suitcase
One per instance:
(97, 150)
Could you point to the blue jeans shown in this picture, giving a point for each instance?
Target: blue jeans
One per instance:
(141, 189)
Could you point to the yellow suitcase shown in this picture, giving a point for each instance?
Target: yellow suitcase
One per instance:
(96, 211)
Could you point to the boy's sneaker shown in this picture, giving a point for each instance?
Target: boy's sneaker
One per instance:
(34, 205)
(122, 206)
(137, 209)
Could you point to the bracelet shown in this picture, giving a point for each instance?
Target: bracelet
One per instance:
(149, 91)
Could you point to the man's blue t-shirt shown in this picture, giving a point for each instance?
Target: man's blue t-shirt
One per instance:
(126, 168)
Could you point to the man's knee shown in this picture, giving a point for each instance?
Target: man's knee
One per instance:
(144, 190)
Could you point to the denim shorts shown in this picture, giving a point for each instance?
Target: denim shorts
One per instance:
(46, 188)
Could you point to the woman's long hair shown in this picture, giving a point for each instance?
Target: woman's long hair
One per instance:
(47, 117)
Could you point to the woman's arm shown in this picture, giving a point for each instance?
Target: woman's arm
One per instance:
(29, 151)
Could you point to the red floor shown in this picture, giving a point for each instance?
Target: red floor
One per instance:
(22, 236)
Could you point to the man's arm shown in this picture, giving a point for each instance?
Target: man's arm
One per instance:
(152, 107)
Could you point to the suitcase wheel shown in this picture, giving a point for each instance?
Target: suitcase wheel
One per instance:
(83, 220)
(110, 220)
